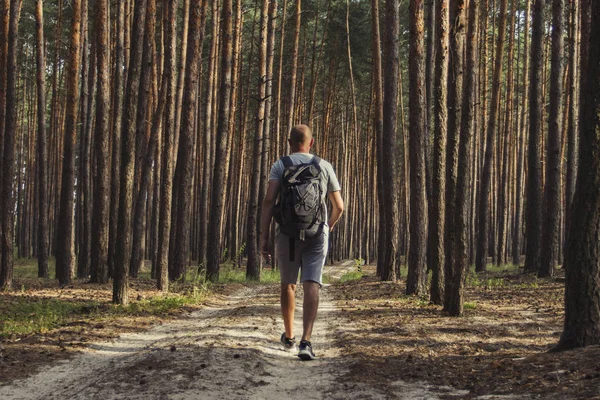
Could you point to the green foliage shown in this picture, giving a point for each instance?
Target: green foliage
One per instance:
(351, 276)
(28, 315)
(470, 305)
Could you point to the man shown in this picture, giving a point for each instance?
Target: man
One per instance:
(309, 255)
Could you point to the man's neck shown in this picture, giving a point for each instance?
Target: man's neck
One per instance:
(301, 152)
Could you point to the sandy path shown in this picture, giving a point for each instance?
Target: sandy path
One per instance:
(228, 350)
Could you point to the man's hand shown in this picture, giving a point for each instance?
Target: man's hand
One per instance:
(265, 247)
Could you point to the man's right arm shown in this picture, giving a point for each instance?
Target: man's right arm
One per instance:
(267, 214)
(338, 208)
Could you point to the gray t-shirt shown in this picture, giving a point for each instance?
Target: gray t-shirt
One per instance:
(329, 183)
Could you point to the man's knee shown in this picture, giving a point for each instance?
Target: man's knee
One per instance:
(288, 288)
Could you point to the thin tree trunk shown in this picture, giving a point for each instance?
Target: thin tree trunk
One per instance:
(118, 82)
(167, 143)
(486, 176)
(388, 154)
(253, 266)
(417, 253)
(461, 257)
(550, 239)
(187, 139)
(534, 184)
(218, 192)
(440, 114)
(65, 260)
(42, 150)
(455, 84)
(123, 249)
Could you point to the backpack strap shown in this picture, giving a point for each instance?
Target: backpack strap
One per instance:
(316, 160)
(287, 161)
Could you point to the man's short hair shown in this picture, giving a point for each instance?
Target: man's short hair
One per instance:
(300, 134)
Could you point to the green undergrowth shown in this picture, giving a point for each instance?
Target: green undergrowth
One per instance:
(351, 276)
(26, 315)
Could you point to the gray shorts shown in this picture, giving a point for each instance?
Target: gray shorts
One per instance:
(310, 256)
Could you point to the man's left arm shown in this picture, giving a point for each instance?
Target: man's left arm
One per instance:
(267, 214)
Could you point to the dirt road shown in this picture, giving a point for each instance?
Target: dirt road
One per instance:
(228, 350)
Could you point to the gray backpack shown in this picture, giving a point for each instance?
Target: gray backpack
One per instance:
(300, 210)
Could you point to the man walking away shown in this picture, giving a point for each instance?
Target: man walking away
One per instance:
(299, 185)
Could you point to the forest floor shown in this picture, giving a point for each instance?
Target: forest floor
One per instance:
(372, 342)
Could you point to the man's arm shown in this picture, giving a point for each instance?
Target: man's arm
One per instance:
(267, 214)
(338, 208)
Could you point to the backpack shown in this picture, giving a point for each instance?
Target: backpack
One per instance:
(300, 211)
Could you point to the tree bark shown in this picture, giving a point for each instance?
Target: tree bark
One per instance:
(218, 192)
(42, 147)
(390, 116)
(461, 257)
(534, 184)
(440, 114)
(187, 137)
(550, 242)
(8, 158)
(65, 260)
(123, 246)
(455, 84)
(118, 82)
(100, 217)
(486, 176)
(417, 277)
(167, 143)
(582, 287)
(253, 265)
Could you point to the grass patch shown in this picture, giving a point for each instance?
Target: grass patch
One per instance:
(470, 306)
(351, 276)
(28, 315)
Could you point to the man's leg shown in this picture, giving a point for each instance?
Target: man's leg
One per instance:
(288, 306)
(310, 305)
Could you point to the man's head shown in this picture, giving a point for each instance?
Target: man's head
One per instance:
(301, 139)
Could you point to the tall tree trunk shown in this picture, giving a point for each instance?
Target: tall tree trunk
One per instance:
(187, 138)
(440, 114)
(582, 288)
(167, 150)
(461, 257)
(4, 26)
(387, 162)
(254, 258)
(534, 182)
(218, 194)
(143, 148)
(208, 129)
(378, 121)
(573, 121)
(552, 226)
(42, 148)
(504, 171)
(417, 253)
(486, 176)
(455, 84)
(100, 217)
(8, 158)
(517, 226)
(294, 72)
(117, 113)
(123, 249)
(84, 196)
(65, 250)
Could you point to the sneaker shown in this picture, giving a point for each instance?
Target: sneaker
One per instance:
(287, 342)
(306, 351)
